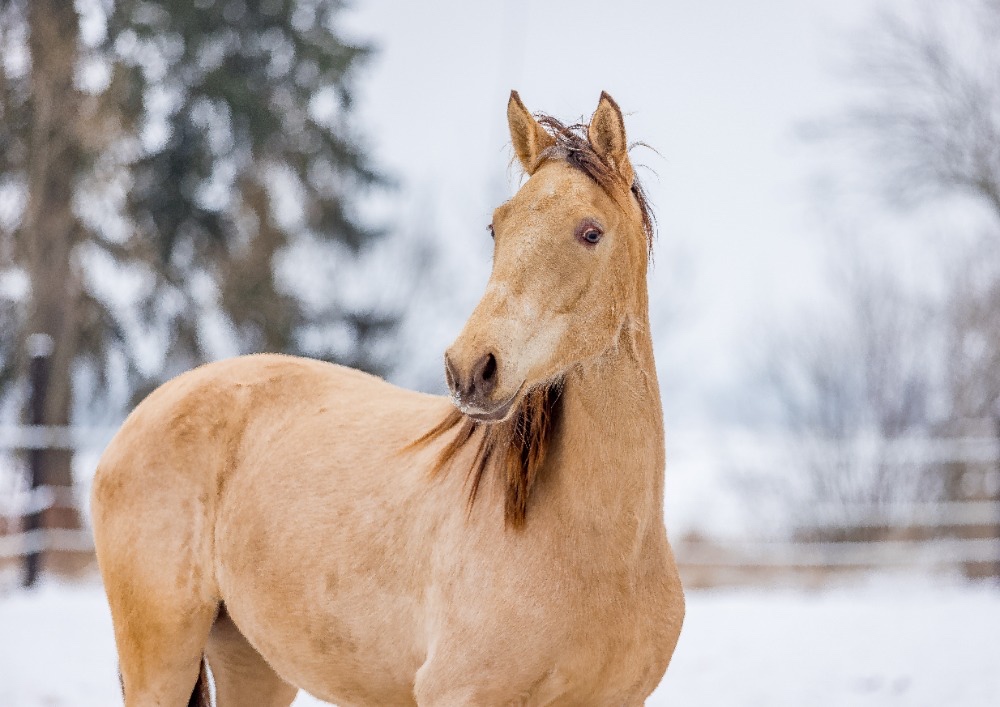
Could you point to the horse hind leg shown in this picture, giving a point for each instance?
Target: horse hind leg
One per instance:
(154, 553)
(160, 650)
(242, 676)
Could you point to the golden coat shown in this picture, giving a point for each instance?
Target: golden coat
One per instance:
(274, 515)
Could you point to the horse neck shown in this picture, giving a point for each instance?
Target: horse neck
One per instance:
(608, 462)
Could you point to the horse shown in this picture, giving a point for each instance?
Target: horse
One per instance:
(287, 523)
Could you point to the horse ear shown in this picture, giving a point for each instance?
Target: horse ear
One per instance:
(607, 136)
(529, 138)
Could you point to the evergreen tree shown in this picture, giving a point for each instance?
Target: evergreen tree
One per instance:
(189, 146)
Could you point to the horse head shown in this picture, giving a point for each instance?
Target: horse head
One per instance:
(569, 263)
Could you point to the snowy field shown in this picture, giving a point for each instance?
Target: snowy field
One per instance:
(898, 643)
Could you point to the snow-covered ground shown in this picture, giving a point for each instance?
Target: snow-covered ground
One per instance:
(896, 643)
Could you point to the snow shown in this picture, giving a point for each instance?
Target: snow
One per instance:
(899, 642)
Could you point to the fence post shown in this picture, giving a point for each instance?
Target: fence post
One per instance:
(996, 493)
(39, 351)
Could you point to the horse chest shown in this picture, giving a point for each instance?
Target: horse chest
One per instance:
(621, 640)
(556, 633)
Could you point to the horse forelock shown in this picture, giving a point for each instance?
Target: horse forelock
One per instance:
(513, 450)
(573, 147)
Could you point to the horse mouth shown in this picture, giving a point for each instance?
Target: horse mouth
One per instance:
(495, 414)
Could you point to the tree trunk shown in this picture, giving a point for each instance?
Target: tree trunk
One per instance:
(50, 230)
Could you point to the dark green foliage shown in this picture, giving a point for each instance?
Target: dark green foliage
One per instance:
(218, 113)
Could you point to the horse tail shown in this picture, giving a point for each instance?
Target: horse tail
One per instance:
(200, 696)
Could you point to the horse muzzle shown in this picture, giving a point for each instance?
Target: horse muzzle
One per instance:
(472, 388)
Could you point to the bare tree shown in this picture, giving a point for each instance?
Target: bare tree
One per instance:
(895, 362)
(845, 383)
(929, 104)
(929, 113)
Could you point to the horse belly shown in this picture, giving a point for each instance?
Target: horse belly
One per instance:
(324, 584)
(320, 653)
(346, 643)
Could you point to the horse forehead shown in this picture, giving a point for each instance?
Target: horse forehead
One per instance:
(556, 188)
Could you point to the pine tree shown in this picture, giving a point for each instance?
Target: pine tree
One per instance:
(188, 146)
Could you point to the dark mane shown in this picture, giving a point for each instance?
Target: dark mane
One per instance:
(573, 147)
(513, 449)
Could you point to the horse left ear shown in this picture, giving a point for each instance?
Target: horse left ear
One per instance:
(607, 136)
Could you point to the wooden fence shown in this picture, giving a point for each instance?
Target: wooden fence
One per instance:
(23, 538)
(953, 536)
(928, 543)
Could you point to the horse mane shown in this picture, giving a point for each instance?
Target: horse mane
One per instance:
(573, 147)
(514, 449)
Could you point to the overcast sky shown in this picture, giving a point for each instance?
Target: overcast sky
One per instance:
(718, 88)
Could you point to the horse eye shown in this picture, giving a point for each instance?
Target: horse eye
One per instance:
(592, 236)
(492, 234)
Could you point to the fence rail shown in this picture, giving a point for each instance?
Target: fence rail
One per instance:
(946, 534)
(945, 514)
(883, 553)
(898, 450)
(24, 539)
(36, 501)
(26, 437)
(45, 540)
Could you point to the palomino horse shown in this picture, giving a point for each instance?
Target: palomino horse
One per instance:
(295, 524)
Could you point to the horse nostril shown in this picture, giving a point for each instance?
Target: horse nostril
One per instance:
(484, 377)
(472, 386)
(450, 376)
(490, 369)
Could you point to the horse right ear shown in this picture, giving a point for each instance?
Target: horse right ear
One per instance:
(529, 138)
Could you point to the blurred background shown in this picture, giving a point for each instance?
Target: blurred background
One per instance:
(186, 180)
